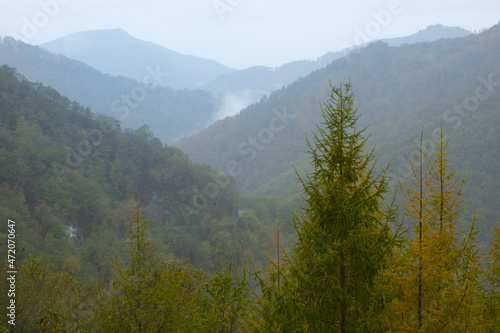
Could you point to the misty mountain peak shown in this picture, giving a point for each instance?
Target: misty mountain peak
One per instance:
(116, 52)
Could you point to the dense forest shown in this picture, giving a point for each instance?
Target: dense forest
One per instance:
(116, 232)
(399, 90)
(67, 170)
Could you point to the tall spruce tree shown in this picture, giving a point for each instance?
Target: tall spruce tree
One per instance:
(344, 235)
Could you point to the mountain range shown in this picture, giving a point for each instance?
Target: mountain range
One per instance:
(233, 89)
(140, 87)
(171, 114)
(269, 79)
(78, 186)
(400, 91)
(117, 53)
(260, 117)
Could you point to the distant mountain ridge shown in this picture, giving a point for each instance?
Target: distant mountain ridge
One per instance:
(171, 114)
(258, 81)
(116, 52)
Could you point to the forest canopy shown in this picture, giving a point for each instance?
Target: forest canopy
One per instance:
(117, 231)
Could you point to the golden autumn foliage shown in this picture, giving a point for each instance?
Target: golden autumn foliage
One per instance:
(433, 281)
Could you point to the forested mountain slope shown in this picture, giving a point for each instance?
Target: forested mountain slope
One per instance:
(71, 178)
(398, 90)
(268, 79)
(171, 114)
(151, 97)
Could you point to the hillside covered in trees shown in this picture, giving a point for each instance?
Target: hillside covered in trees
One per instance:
(171, 114)
(106, 218)
(360, 198)
(72, 179)
(399, 90)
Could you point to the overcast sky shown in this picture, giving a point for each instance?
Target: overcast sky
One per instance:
(244, 33)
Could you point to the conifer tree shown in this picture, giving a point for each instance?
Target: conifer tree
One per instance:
(149, 295)
(433, 280)
(133, 302)
(152, 295)
(344, 235)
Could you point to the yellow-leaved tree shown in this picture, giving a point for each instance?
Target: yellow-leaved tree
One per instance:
(433, 280)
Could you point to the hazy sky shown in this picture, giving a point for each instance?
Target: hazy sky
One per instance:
(243, 33)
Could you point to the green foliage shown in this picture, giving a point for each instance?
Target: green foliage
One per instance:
(343, 237)
(226, 302)
(134, 301)
(151, 295)
(398, 90)
(64, 168)
(45, 298)
(71, 179)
